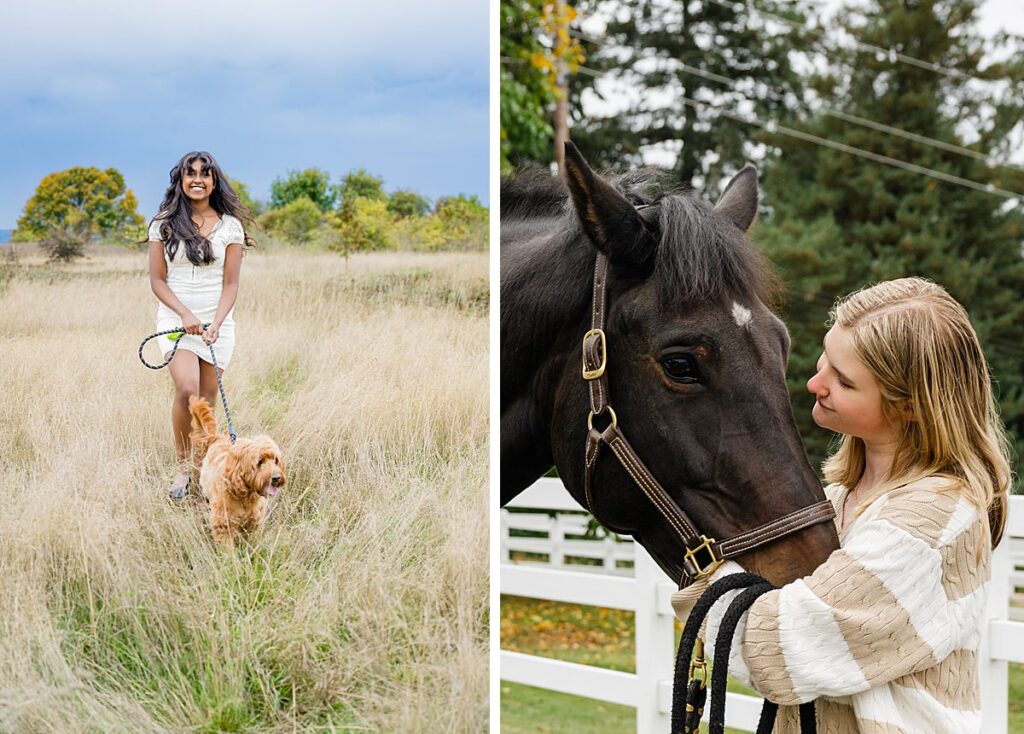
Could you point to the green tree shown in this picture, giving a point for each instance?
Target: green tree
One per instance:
(673, 52)
(255, 205)
(408, 204)
(311, 183)
(363, 224)
(295, 222)
(839, 222)
(527, 96)
(85, 199)
(360, 183)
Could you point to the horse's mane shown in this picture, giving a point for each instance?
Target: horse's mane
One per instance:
(701, 256)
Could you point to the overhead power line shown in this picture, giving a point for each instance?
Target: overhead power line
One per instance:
(773, 127)
(838, 114)
(890, 53)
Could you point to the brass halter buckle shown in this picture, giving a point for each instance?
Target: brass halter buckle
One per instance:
(702, 558)
(699, 665)
(593, 374)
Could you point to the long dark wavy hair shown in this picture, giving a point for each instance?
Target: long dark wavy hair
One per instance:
(176, 211)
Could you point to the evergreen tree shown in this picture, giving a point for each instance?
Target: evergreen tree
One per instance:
(839, 222)
(661, 50)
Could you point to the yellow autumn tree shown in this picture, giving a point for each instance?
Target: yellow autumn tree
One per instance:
(86, 199)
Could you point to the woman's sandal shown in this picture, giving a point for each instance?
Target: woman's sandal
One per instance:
(180, 492)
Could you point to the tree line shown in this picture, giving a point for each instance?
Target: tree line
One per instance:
(884, 135)
(74, 207)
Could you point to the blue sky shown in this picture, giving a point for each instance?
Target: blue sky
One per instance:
(399, 89)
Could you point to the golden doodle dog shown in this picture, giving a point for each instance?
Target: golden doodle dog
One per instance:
(236, 478)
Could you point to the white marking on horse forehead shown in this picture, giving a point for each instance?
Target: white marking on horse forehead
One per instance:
(741, 315)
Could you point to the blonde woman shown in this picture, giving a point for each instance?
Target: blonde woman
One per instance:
(885, 633)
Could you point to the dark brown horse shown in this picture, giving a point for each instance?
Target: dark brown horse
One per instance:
(696, 361)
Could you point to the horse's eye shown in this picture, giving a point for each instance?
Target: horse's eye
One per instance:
(681, 368)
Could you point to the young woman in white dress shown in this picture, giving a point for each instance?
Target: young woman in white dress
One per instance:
(195, 256)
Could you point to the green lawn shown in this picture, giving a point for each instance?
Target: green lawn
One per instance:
(1016, 699)
(528, 710)
(602, 637)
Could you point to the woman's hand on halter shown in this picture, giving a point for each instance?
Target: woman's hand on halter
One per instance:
(191, 324)
(210, 335)
(684, 600)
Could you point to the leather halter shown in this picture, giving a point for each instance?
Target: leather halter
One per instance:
(703, 554)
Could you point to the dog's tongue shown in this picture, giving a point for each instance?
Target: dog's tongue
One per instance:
(273, 490)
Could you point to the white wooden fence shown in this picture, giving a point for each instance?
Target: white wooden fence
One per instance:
(606, 580)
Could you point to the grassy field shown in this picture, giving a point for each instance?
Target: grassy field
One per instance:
(602, 637)
(360, 606)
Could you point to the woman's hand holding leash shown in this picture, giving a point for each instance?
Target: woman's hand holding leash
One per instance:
(191, 324)
(210, 334)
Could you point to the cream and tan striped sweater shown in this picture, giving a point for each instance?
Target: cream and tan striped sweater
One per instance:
(885, 633)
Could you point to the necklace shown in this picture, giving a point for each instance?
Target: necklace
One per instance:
(205, 219)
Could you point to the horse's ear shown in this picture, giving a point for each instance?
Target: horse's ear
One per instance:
(609, 220)
(738, 203)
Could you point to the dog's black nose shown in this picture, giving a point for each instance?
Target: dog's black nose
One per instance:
(276, 480)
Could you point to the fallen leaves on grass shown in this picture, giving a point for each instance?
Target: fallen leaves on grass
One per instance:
(528, 625)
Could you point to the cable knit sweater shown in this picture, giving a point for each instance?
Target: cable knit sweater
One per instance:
(885, 633)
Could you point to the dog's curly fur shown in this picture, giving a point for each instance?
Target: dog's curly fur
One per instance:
(235, 478)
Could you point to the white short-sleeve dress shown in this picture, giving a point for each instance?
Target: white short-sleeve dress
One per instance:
(199, 288)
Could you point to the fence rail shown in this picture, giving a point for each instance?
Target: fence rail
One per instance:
(568, 575)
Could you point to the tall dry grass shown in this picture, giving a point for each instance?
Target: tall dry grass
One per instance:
(362, 604)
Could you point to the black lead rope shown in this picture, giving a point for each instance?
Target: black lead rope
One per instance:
(213, 358)
(689, 692)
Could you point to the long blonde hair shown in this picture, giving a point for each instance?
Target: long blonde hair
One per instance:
(920, 347)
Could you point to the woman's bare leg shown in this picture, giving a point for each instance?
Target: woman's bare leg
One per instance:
(208, 383)
(184, 369)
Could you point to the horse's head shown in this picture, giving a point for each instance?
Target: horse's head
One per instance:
(696, 367)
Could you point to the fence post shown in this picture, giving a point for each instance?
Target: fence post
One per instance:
(556, 534)
(506, 554)
(994, 676)
(655, 640)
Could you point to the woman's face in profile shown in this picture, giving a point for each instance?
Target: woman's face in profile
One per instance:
(848, 400)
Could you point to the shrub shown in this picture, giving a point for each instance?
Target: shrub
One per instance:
(295, 222)
(65, 243)
(459, 223)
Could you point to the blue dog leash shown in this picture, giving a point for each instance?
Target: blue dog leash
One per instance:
(213, 358)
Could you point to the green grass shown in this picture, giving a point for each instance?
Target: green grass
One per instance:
(1016, 699)
(529, 710)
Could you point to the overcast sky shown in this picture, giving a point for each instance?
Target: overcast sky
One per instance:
(618, 93)
(401, 90)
